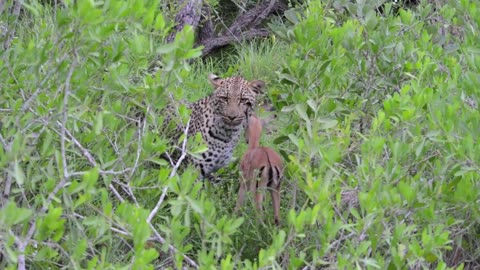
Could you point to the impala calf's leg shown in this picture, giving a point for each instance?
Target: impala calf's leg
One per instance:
(275, 192)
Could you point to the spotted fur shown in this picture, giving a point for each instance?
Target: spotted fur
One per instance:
(220, 118)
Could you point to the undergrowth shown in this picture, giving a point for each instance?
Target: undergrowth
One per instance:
(376, 117)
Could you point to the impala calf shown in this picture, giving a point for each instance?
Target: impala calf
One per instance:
(260, 162)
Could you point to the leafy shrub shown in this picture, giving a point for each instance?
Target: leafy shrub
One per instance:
(377, 120)
(380, 111)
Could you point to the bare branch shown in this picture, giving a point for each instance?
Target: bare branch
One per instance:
(214, 43)
(2, 6)
(66, 94)
(191, 262)
(6, 147)
(23, 243)
(265, 12)
(141, 131)
(119, 197)
(172, 173)
(160, 239)
(206, 26)
(11, 29)
(47, 77)
(253, 17)
(189, 14)
(85, 152)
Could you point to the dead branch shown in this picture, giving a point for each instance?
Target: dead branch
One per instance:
(157, 235)
(11, 29)
(2, 6)
(22, 244)
(244, 27)
(253, 17)
(206, 25)
(190, 14)
(172, 174)
(214, 43)
(154, 211)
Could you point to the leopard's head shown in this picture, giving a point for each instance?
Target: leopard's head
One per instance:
(234, 98)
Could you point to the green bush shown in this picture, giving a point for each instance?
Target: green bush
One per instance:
(377, 121)
(384, 116)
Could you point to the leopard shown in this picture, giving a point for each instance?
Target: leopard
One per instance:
(220, 118)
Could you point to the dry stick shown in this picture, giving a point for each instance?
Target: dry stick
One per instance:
(48, 76)
(22, 244)
(2, 6)
(92, 161)
(189, 14)
(213, 43)
(11, 30)
(172, 173)
(4, 143)
(157, 235)
(8, 182)
(191, 262)
(89, 156)
(251, 18)
(141, 131)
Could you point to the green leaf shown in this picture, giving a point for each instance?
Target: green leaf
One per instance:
(280, 139)
(200, 149)
(98, 123)
(327, 123)
(166, 48)
(194, 53)
(302, 112)
(18, 174)
(11, 214)
(406, 191)
(11, 254)
(91, 177)
(34, 9)
(159, 22)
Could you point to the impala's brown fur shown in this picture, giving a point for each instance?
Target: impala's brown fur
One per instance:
(267, 162)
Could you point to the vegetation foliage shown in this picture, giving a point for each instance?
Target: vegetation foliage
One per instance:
(377, 121)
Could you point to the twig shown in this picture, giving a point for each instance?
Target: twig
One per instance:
(47, 77)
(85, 152)
(22, 244)
(129, 192)
(8, 182)
(119, 197)
(213, 43)
(11, 31)
(172, 173)
(191, 262)
(66, 94)
(4, 143)
(141, 131)
(8, 185)
(2, 6)
(160, 239)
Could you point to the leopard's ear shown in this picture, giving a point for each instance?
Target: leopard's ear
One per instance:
(214, 80)
(257, 86)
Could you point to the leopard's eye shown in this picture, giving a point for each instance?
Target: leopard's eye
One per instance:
(223, 98)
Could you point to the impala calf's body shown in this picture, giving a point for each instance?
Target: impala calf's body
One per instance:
(263, 163)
